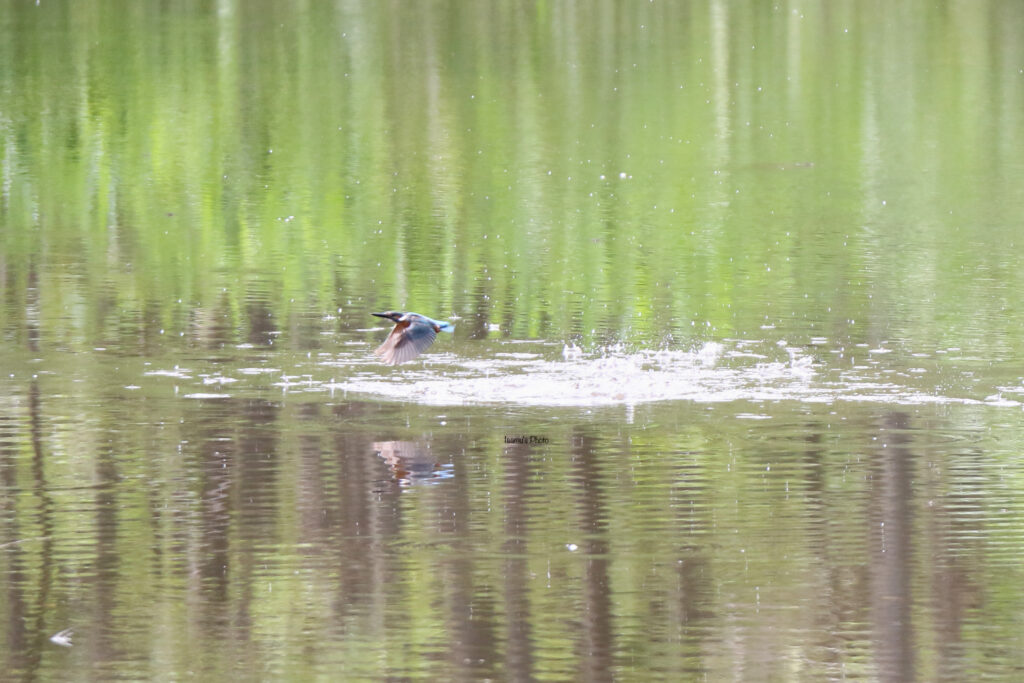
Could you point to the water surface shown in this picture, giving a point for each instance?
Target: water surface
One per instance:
(735, 390)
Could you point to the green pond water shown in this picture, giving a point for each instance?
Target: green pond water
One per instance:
(736, 388)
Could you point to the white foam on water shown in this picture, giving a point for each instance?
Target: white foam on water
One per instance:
(714, 372)
(614, 377)
(710, 373)
(180, 373)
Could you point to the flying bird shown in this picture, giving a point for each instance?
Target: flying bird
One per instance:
(412, 334)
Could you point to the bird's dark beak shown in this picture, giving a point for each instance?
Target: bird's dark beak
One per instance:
(381, 315)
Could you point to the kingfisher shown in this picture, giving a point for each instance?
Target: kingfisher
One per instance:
(412, 335)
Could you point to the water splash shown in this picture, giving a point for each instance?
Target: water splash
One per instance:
(538, 375)
(711, 373)
(612, 376)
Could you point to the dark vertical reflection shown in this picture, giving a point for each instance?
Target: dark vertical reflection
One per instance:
(815, 496)
(42, 489)
(32, 308)
(213, 327)
(259, 468)
(108, 559)
(16, 643)
(364, 518)
(890, 575)
(694, 571)
(27, 638)
(216, 465)
(471, 618)
(954, 590)
(255, 497)
(479, 323)
(695, 584)
(313, 480)
(260, 316)
(519, 650)
(596, 646)
(151, 326)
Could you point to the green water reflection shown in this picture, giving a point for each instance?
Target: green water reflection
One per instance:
(231, 187)
(619, 171)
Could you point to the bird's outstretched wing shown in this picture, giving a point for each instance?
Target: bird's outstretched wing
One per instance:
(405, 342)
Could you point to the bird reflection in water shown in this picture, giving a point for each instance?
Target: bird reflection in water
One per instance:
(412, 462)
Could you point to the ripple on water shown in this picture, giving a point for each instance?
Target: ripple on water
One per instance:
(714, 372)
(577, 380)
